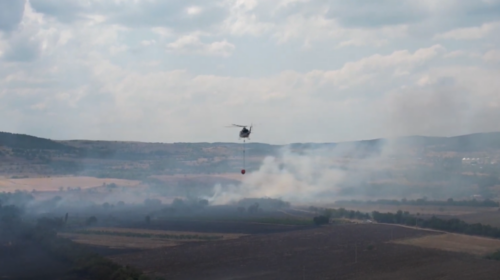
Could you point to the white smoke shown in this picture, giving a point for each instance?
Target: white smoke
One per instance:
(306, 176)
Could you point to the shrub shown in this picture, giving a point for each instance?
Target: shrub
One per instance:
(320, 220)
(494, 256)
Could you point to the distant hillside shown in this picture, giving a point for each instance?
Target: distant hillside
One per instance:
(24, 155)
(22, 141)
(462, 143)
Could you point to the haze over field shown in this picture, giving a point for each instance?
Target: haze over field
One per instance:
(459, 167)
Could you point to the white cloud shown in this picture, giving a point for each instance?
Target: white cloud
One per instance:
(455, 54)
(162, 31)
(194, 10)
(471, 33)
(191, 44)
(148, 42)
(100, 70)
(492, 56)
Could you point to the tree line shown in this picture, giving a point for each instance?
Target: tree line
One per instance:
(329, 213)
(405, 218)
(449, 225)
(425, 202)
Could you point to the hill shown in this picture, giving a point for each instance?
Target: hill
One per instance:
(25, 155)
(23, 141)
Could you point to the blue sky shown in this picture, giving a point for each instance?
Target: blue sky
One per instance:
(302, 70)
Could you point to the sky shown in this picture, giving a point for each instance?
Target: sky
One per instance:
(300, 70)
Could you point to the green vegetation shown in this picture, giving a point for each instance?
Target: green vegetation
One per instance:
(450, 225)
(152, 235)
(329, 213)
(281, 221)
(405, 218)
(494, 256)
(340, 213)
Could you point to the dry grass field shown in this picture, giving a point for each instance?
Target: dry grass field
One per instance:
(54, 183)
(134, 238)
(455, 243)
(120, 242)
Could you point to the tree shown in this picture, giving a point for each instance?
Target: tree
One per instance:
(320, 220)
(10, 214)
(50, 223)
(152, 202)
(253, 208)
(148, 219)
(90, 221)
(203, 202)
(328, 213)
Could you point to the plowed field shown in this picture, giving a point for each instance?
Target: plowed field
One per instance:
(330, 252)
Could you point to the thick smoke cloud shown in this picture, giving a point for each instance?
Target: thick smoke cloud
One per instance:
(316, 175)
(409, 167)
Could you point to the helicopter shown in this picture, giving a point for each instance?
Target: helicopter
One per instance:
(244, 133)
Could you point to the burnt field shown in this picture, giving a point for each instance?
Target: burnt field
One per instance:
(331, 252)
(208, 226)
(24, 260)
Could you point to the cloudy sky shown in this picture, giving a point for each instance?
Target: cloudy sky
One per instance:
(302, 70)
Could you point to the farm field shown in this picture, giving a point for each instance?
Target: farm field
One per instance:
(476, 245)
(491, 218)
(54, 183)
(330, 252)
(119, 242)
(134, 238)
(218, 226)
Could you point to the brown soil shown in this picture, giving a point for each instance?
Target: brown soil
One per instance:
(476, 245)
(331, 252)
